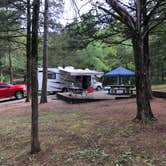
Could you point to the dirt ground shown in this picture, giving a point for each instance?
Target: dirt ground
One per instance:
(98, 133)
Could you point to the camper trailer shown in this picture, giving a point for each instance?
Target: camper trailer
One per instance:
(61, 79)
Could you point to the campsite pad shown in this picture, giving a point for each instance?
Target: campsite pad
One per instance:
(91, 97)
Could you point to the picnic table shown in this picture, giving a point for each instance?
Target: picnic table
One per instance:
(121, 89)
(78, 90)
(75, 90)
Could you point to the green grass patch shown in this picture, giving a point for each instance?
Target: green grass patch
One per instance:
(79, 137)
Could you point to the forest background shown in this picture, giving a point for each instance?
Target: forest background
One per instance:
(70, 44)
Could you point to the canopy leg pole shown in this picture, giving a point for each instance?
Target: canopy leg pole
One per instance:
(118, 80)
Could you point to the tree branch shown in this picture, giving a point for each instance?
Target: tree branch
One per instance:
(154, 9)
(154, 26)
(112, 14)
(123, 13)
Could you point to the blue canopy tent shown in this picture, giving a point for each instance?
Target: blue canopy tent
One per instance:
(119, 72)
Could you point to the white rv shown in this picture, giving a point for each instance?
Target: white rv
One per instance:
(61, 79)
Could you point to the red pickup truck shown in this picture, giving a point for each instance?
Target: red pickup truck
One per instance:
(8, 90)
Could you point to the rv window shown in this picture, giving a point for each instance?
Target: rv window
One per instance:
(78, 78)
(51, 76)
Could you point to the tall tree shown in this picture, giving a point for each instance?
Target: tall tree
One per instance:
(11, 31)
(28, 51)
(45, 55)
(35, 145)
(139, 30)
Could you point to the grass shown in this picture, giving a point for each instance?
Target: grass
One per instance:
(82, 135)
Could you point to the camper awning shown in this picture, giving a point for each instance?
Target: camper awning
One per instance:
(80, 72)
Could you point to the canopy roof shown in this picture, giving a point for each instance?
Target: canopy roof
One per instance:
(120, 71)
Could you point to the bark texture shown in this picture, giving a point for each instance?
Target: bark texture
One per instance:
(45, 56)
(28, 52)
(10, 65)
(35, 145)
(144, 112)
(146, 47)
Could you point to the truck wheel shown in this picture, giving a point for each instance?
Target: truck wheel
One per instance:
(98, 88)
(19, 95)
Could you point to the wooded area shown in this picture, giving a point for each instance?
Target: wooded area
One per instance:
(113, 33)
(65, 48)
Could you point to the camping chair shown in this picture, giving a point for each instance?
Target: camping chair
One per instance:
(89, 90)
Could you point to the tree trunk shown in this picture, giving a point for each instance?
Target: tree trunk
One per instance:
(1, 70)
(147, 55)
(148, 64)
(35, 145)
(45, 55)
(28, 51)
(1, 75)
(162, 74)
(144, 112)
(10, 65)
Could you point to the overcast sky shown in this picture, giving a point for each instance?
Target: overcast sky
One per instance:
(83, 6)
(70, 10)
